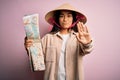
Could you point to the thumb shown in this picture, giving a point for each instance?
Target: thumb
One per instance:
(78, 37)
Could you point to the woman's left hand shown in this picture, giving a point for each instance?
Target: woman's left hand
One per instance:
(83, 35)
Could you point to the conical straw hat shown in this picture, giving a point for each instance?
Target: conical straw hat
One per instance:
(66, 6)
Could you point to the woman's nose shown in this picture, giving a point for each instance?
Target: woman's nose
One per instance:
(65, 18)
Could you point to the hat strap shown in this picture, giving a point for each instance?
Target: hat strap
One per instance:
(52, 21)
(74, 23)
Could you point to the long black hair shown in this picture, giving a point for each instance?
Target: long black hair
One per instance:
(56, 28)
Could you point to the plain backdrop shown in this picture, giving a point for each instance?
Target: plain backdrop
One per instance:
(103, 21)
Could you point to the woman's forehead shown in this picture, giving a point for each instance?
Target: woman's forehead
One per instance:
(65, 11)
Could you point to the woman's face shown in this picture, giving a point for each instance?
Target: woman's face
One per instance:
(65, 19)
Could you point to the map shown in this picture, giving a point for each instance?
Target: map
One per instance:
(36, 57)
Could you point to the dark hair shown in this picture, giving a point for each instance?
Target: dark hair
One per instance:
(56, 17)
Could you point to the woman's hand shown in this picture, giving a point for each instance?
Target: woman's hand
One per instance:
(28, 42)
(83, 35)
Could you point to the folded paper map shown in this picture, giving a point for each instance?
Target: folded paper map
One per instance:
(31, 25)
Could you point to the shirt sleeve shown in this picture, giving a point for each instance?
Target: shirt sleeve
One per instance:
(86, 48)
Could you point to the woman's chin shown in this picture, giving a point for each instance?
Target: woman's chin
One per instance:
(65, 27)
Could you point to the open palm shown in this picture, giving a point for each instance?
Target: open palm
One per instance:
(83, 35)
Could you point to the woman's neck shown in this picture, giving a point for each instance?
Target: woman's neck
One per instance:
(64, 31)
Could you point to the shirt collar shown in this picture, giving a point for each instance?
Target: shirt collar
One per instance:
(71, 33)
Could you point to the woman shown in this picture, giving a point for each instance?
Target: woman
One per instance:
(66, 44)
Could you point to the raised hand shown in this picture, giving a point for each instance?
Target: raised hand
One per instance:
(83, 35)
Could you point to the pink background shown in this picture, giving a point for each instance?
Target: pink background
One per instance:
(103, 23)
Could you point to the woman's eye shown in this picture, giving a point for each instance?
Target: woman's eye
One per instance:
(70, 15)
(61, 16)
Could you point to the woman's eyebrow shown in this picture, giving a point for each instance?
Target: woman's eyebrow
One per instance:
(67, 13)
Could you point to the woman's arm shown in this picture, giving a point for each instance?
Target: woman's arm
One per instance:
(84, 39)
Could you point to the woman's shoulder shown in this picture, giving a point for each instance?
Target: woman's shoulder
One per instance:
(50, 34)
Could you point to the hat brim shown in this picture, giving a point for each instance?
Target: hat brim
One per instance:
(50, 14)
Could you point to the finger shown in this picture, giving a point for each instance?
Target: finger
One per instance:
(82, 27)
(78, 26)
(86, 29)
(29, 40)
(79, 38)
(28, 44)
